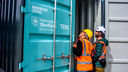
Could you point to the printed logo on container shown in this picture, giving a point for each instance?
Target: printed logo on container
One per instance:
(35, 21)
(47, 25)
(64, 26)
(42, 24)
(38, 10)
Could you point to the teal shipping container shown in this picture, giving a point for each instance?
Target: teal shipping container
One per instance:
(37, 35)
(48, 35)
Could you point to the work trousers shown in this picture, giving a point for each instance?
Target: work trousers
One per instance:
(98, 69)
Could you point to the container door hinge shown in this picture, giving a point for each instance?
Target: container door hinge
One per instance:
(73, 38)
(25, 10)
(22, 65)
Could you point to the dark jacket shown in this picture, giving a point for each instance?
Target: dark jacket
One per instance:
(78, 51)
(98, 50)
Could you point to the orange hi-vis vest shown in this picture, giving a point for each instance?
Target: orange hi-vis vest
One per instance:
(84, 62)
(103, 54)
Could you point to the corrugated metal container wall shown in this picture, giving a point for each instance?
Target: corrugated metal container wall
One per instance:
(10, 35)
(117, 27)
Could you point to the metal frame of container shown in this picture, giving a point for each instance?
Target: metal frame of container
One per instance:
(116, 26)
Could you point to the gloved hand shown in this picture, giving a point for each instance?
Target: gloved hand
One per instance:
(103, 62)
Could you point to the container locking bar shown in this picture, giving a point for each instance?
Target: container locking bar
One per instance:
(64, 56)
(45, 58)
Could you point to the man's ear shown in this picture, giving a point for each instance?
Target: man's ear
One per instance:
(100, 33)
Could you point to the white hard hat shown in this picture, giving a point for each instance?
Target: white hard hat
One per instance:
(100, 28)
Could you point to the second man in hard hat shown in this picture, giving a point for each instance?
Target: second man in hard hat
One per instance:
(100, 46)
(83, 50)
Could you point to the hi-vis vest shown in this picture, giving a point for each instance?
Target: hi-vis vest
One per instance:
(84, 62)
(103, 54)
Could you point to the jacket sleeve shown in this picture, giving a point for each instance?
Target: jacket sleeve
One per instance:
(98, 51)
(78, 51)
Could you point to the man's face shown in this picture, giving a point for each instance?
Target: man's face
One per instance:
(82, 35)
(97, 34)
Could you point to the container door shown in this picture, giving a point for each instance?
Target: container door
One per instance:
(117, 27)
(47, 35)
(62, 48)
(38, 36)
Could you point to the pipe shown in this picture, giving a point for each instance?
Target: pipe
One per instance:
(70, 36)
(54, 37)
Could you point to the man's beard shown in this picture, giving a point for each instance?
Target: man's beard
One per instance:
(96, 35)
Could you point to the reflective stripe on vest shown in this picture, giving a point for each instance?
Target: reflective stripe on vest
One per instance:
(101, 58)
(84, 54)
(103, 55)
(84, 62)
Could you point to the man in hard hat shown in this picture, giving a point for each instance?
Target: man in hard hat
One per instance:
(83, 50)
(99, 53)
